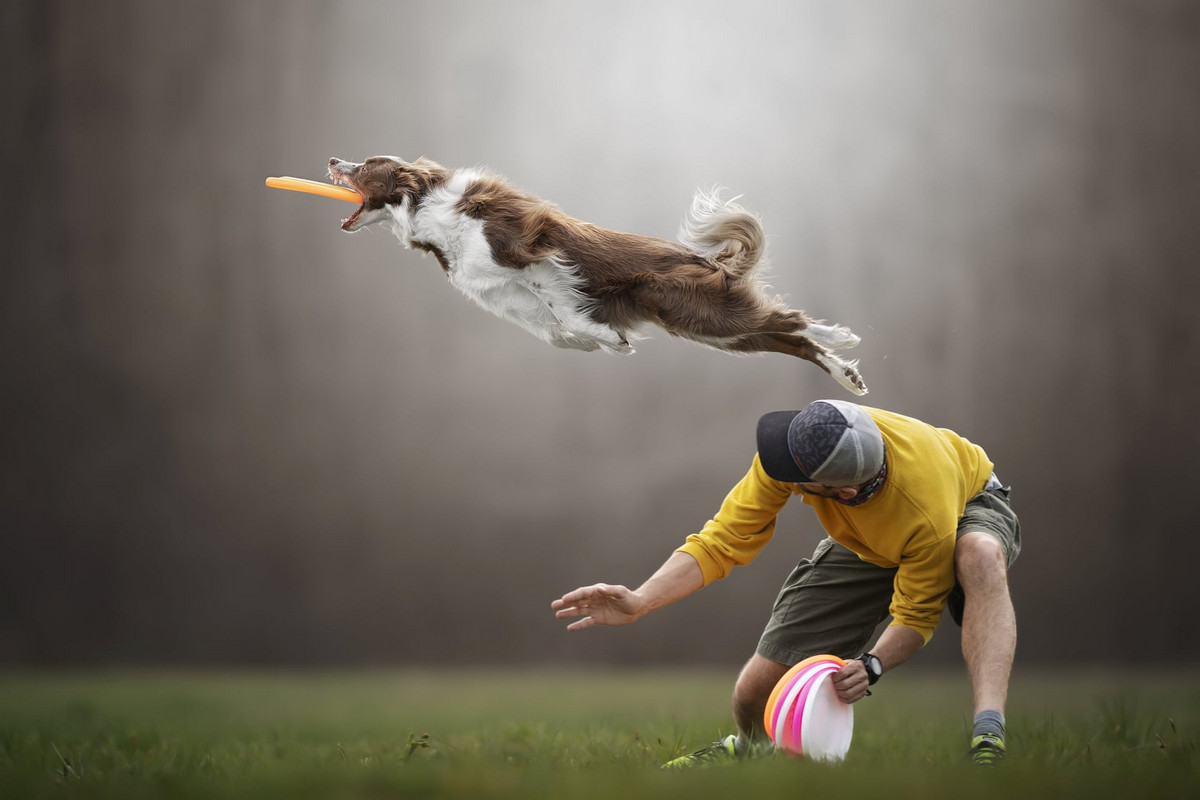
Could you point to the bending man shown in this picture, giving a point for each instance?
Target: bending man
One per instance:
(916, 520)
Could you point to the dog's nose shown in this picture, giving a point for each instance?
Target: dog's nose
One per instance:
(333, 162)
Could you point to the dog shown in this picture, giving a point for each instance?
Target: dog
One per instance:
(584, 287)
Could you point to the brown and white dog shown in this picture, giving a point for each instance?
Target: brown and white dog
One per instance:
(579, 286)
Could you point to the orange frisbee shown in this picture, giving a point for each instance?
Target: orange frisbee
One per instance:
(315, 187)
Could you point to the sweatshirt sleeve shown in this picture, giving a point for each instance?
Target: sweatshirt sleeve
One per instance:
(742, 527)
(923, 582)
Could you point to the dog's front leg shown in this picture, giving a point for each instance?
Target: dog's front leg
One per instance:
(565, 318)
(529, 310)
(612, 341)
(561, 337)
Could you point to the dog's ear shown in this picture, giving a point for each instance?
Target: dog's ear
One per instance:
(417, 178)
(431, 170)
(401, 182)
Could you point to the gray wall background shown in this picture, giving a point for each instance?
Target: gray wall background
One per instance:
(232, 434)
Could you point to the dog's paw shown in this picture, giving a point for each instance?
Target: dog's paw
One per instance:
(844, 372)
(623, 347)
(564, 338)
(575, 344)
(561, 337)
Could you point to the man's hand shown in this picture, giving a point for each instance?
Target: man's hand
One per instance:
(599, 604)
(603, 604)
(851, 681)
(895, 646)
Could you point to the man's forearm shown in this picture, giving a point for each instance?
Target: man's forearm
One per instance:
(896, 645)
(678, 577)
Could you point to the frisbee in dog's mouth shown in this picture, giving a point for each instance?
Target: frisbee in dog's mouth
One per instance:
(344, 184)
(345, 191)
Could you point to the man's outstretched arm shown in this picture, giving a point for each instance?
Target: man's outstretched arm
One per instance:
(605, 604)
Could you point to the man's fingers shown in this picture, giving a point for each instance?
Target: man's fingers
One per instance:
(850, 683)
(568, 602)
(573, 597)
(572, 611)
(607, 601)
(582, 594)
(579, 603)
(587, 596)
(851, 672)
(848, 689)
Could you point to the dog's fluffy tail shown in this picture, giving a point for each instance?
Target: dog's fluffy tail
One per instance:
(724, 232)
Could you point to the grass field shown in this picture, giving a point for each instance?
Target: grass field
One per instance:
(566, 734)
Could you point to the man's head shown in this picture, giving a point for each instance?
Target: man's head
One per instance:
(831, 443)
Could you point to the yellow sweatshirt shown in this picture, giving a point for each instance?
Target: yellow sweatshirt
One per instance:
(911, 522)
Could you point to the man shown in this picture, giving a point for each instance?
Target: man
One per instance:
(916, 520)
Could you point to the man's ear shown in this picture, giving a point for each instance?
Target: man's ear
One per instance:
(847, 493)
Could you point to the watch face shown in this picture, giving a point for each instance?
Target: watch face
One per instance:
(874, 666)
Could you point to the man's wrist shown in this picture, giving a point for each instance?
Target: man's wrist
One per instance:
(640, 604)
(874, 667)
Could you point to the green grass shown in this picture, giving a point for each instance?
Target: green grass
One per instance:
(566, 734)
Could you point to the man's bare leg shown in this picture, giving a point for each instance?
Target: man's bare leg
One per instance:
(989, 628)
(754, 685)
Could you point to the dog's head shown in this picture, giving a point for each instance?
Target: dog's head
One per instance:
(385, 181)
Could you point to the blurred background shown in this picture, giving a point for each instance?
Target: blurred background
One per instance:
(231, 434)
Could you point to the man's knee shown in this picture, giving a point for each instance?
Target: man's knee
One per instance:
(756, 681)
(979, 557)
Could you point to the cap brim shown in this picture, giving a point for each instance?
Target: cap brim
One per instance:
(773, 449)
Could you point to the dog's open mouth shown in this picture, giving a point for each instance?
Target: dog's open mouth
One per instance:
(340, 173)
(348, 222)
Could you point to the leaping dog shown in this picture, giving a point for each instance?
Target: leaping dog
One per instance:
(583, 287)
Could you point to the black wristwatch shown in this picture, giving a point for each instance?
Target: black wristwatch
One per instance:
(874, 667)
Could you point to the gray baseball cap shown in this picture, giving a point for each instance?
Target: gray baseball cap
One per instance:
(831, 442)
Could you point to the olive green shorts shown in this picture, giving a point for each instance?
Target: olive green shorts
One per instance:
(834, 601)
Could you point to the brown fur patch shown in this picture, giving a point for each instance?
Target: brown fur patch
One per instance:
(518, 226)
(382, 181)
(437, 253)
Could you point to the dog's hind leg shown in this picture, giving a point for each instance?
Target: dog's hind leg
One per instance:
(844, 372)
(832, 337)
(800, 346)
(702, 303)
